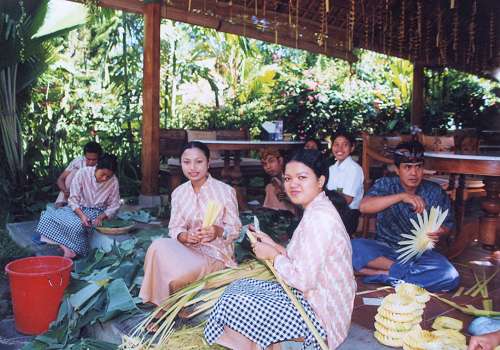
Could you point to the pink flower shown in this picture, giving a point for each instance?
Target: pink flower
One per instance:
(311, 85)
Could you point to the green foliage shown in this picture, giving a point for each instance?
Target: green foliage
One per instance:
(456, 100)
(92, 90)
(101, 289)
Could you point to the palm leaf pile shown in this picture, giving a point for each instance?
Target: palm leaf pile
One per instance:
(197, 298)
(186, 338)
(418, 242)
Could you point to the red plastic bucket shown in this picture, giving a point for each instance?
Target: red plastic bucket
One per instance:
(37, 286)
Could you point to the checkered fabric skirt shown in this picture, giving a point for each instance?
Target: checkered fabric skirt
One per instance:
(65, 227)
(261, 311)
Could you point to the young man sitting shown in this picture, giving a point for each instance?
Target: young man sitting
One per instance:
(91, 153)
(276, 198)
(396, 200)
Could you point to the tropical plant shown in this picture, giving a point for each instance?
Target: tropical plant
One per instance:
(456, 100)
(30, 54)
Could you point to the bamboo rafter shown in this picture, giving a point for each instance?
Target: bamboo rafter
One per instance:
(401, 28)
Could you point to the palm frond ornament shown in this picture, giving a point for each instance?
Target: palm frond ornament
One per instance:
(418, 241)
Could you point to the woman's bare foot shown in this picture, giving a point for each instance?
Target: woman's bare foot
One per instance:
(68, 253)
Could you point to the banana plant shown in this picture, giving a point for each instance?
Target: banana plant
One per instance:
(28, 54)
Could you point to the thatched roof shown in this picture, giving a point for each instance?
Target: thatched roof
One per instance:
(462, 34)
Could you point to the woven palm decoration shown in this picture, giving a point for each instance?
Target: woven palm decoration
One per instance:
(418, 242)
(211, 213)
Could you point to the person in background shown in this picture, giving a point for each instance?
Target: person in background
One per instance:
(276, 198)
(396, 200)
(312, 143)
(253, 314)
(94, 197)
(192, 251)
(91, 153)
(346, 178)
(485, 342)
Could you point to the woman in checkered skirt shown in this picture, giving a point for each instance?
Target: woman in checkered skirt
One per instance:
(94, 196)
(317, 264)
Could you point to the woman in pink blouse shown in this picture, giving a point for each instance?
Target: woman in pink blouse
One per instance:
(254, 314)
(192, 251)
(94, 197)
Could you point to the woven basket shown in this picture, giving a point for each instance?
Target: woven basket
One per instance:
(115, 230)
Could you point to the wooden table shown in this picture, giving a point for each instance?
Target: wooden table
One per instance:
(469, 164)
(231, 150)
(246, 145)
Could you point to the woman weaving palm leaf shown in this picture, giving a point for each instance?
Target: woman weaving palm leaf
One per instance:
(254, 314)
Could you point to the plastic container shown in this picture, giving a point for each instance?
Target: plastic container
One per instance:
(37, 286)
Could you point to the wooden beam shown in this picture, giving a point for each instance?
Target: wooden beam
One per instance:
(417, 100)
(285, 37)
(221, 19)
(135, 6)
(151, 100)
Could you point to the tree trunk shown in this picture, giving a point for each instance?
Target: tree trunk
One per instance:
(174, 85)
(130, 133)
(10, 125)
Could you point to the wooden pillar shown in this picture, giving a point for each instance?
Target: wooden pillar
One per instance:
(151, 100)
(417, 100)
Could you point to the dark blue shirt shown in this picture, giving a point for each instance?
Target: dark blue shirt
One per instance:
(395, 220)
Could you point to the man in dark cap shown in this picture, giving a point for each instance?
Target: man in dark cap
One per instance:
(396, 200)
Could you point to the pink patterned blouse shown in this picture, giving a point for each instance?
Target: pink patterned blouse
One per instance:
(76, 164)
(85, 191)
(319, 263)
(188, 210)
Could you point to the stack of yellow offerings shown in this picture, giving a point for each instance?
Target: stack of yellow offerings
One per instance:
(447, 330)
(211, 213)
(441, 339)
(399, 313)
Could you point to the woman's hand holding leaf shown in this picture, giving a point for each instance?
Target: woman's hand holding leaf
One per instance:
(188, 238)
(265, 251)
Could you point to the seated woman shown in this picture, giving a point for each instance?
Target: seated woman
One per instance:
(94, 196)
(346, 178)
(276, 199)
(313, 143)
(192, 251)
(253, 314)
(91, 153)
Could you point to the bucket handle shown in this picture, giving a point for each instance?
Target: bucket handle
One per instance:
(53, 285)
